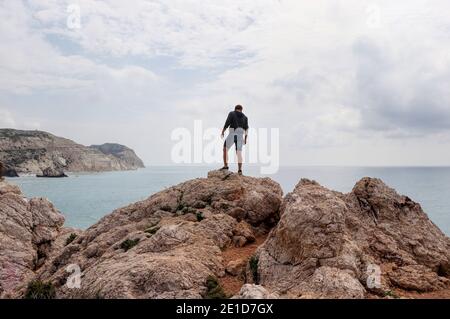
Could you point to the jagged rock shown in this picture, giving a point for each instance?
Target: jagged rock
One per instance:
(251, 291)
(28, 229)
(243, 229)
(322, 244)
(31, 152)
(236, 267)
(151, 250)
(125, 154)
(52, 172)
(7, 171)
(239, 241)
(6, 188)
(331, 245)
(10, 172)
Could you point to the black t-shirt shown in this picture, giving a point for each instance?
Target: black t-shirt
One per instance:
(236, 120)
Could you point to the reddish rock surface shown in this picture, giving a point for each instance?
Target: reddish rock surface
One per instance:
(28, 229)
(370, 243)
(331, 245)
(177, 237)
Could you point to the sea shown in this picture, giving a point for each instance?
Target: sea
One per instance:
(85, 198)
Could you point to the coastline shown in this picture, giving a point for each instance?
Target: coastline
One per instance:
(426, 185)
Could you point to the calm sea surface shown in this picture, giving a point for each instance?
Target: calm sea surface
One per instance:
(85, 198)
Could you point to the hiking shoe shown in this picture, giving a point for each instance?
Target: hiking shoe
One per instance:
(240, 172)
(225, 168)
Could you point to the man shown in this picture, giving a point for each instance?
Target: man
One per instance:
(238, 124)
(1, 171)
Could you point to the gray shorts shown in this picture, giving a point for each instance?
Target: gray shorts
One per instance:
(236, 136)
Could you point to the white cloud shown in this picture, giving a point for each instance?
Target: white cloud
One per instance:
(321, 71)
(29, 63)
(199, 33)
(6, 119)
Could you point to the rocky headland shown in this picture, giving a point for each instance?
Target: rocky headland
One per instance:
(35, 152)
(228, 235)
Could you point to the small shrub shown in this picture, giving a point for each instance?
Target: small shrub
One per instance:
(214, 289)
(152, 230)
(99, 295)
(184, 209)
(392, 294)
(40, 290)
(200, 216)
(129, 243)
(71, 238)
(253, 262)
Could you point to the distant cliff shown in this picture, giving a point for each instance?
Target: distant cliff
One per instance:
(34, 151)
(121, 152)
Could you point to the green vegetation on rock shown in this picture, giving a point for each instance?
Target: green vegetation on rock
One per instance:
(40, 290)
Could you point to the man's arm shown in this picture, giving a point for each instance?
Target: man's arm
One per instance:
(227, 125)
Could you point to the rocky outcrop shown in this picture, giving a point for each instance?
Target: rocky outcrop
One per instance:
(252, 291)
(168, 245)
(10, 172)
(52, 172)
(370, 241)
(125, 154)
(320, 243)
(7, 171)
(28, 229)
(31, 152)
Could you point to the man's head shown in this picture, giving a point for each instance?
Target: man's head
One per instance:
(238, 108)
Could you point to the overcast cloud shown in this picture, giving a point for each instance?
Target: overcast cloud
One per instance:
(347, 82)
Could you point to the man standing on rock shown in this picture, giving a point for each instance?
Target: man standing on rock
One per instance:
(1, 171)
(237, 122)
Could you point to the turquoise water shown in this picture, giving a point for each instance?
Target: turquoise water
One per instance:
(85, 198)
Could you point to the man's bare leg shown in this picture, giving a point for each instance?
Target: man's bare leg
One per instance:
(239, 156)
(225, 157)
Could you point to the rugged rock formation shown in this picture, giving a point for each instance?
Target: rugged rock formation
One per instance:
(52, 172)
(127, 155)
(252, 291)
(168, 245)
(7, 171)
(27, 230)
(333, 245)
(322, 244)
(10, 172)
(34, 151)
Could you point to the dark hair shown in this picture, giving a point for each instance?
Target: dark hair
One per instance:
(238, 108)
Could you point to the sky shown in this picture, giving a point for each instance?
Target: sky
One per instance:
(348, 82)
